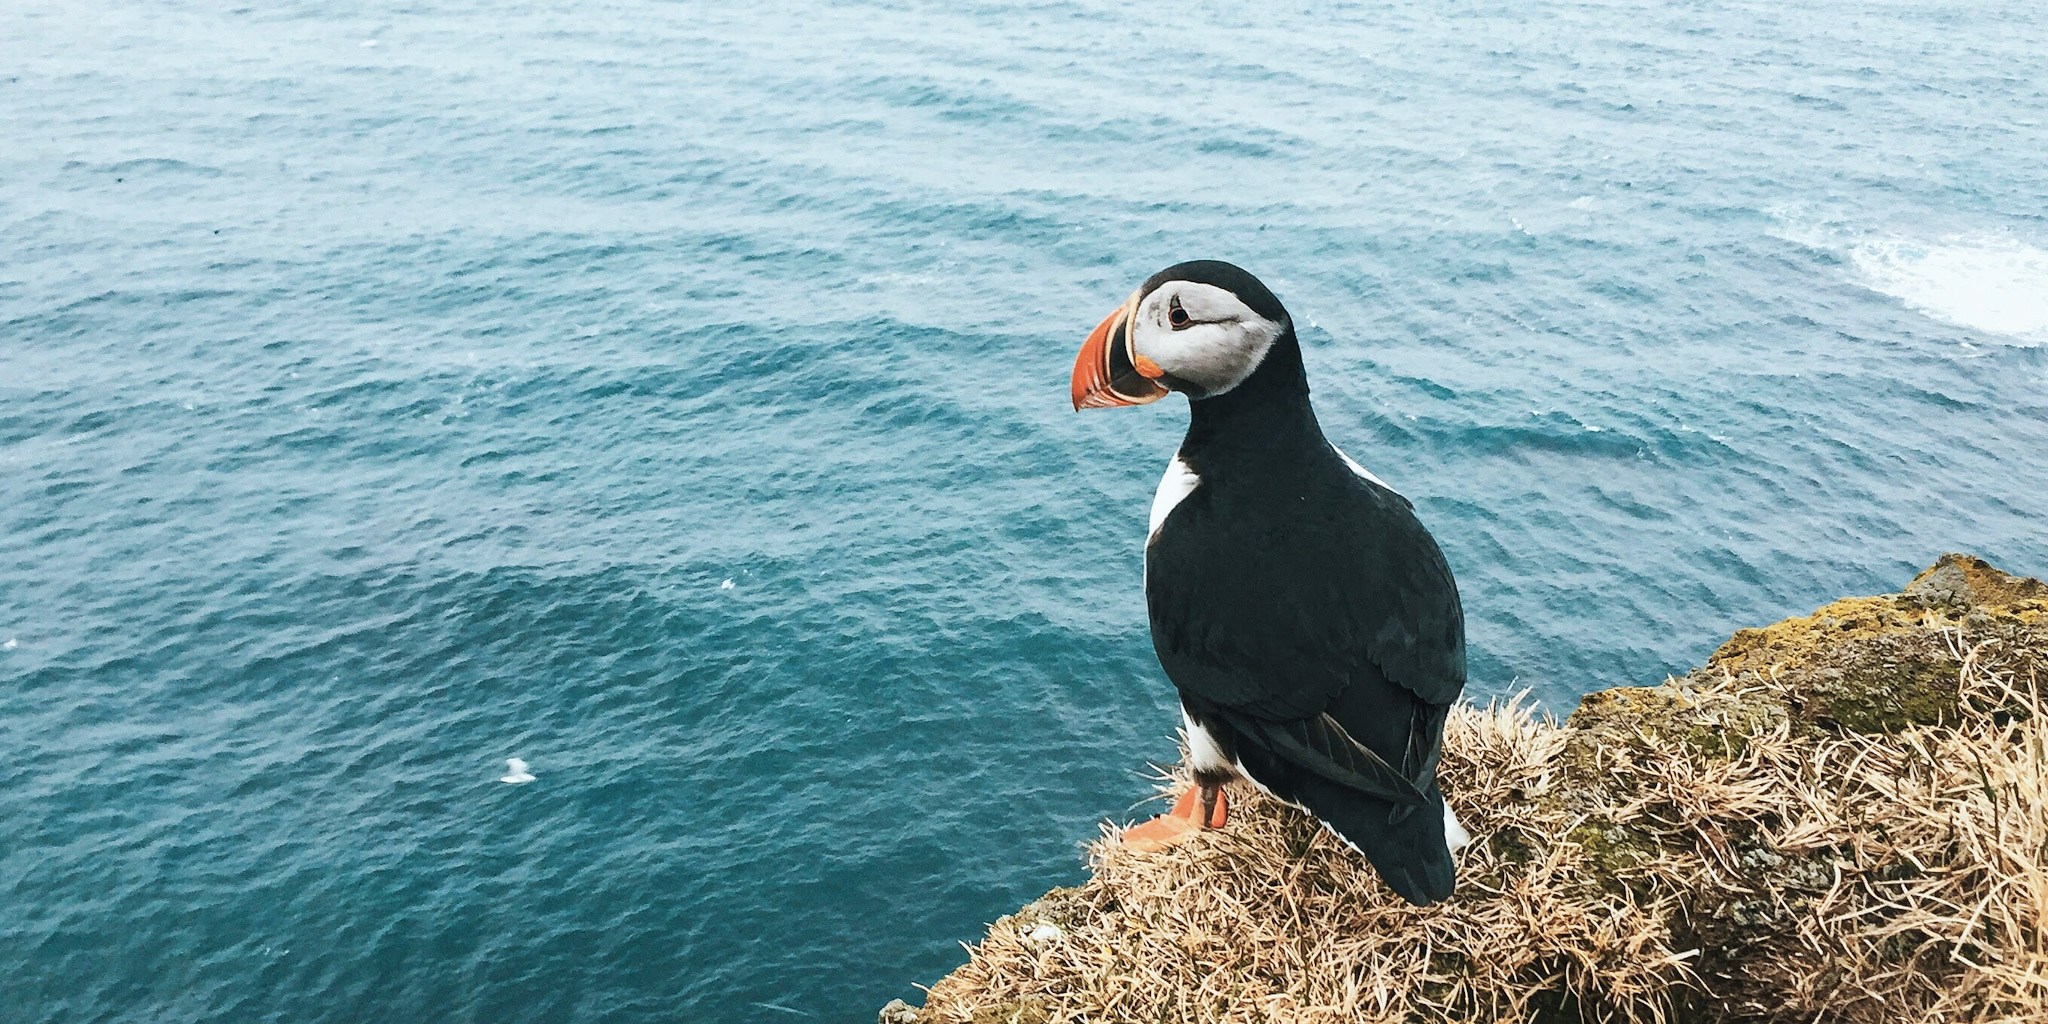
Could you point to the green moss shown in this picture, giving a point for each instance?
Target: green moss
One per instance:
(1885, 692)
(1509, 845)
(1879, 664)
(1797, 641)
(1063, 907)
(1023, 1011)
(1743, 642)
(1680, 715)
(1616, 851)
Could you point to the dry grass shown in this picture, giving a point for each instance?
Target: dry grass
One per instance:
(1697, 851)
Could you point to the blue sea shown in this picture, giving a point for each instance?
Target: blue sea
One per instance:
(674, 396)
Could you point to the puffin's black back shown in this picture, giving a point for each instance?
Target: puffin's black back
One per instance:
(1286, 587)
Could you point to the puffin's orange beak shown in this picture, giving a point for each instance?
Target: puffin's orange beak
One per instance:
(1107, 374)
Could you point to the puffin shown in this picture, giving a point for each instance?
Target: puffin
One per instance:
(1307, 618)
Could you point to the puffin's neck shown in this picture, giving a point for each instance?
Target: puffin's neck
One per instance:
(1267, 415)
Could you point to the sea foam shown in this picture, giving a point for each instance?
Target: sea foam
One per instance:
(1991, 284)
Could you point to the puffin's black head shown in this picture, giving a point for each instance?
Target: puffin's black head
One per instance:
(1200, 327)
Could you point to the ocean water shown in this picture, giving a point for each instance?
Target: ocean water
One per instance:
(674, 396)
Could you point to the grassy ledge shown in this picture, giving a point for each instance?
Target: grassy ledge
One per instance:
(1840, 817)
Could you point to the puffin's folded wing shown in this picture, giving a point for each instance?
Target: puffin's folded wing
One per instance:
(1358, 589)
(1402, 604)
(1320, 745)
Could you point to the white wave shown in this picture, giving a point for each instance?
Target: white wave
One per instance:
(1990, 284)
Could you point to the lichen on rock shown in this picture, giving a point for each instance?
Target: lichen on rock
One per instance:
(1842, 816)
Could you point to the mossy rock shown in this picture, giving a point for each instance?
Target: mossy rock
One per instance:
(1796, 642)
(1707, 726)
(1616, 851)
(1970, 582)
(1882, 683)
(1880, 664)
(1023, 1011)
(1059, 908)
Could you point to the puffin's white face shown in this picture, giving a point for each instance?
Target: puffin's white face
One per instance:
(1183, 335)
(1200, 334)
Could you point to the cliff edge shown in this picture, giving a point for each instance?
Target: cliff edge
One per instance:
(1840, 817)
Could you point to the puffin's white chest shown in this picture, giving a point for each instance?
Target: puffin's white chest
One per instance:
(1179, 482)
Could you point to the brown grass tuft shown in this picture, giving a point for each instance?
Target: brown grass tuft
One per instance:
(1742, 844)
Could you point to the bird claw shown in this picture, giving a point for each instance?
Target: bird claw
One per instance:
(1176, 826)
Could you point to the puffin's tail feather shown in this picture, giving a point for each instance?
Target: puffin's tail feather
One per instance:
(1410, 855)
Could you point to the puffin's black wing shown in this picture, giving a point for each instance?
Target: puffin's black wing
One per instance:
(1272, 598)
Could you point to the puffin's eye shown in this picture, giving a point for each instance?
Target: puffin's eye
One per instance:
(1175, 315)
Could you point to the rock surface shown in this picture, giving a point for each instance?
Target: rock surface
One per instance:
(1841, 816)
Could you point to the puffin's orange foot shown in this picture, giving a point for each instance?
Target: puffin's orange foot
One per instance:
(1176, 826)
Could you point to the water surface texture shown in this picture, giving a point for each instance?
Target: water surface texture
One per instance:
(675, 397)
